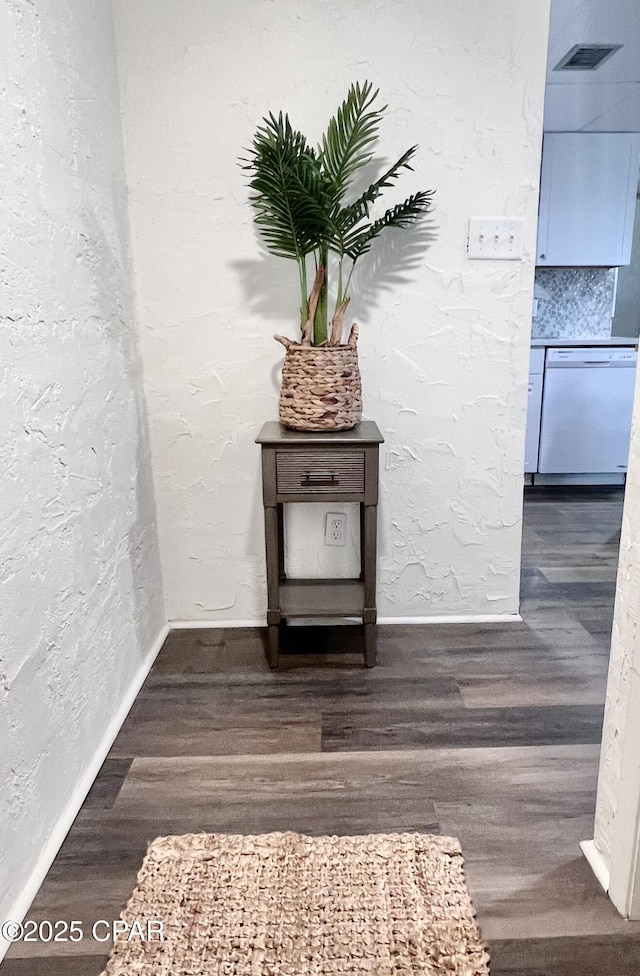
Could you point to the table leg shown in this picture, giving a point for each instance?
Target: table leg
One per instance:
(273, 646)
(370, 645)
(368, 543)
(280, 521)
(272, 540)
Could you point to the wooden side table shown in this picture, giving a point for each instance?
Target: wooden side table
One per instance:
(337, 466)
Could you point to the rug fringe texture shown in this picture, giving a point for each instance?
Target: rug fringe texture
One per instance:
(285, 904)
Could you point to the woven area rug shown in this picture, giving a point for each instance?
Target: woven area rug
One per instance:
(291, 905)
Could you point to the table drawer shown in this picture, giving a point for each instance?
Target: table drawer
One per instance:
(316, 472)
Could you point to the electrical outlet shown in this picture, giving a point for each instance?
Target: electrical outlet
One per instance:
(335, 530)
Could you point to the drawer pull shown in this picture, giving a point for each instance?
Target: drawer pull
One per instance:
(319, 479)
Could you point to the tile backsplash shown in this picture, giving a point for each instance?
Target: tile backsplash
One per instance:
(573, 302)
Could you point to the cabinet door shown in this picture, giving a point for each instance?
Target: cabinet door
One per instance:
(587, 198)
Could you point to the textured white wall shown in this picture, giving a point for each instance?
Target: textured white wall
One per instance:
(618, 802)
(80, 590)
(444, 344)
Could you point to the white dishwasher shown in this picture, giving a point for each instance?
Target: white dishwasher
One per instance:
(586, 410)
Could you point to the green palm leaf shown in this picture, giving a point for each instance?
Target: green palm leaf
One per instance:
(357, 211)
(350, 134)
(402, 215)
(290, 196)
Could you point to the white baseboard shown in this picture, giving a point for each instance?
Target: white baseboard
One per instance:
(200, 624)
(472, 618)
(61, 828)
(596, 862)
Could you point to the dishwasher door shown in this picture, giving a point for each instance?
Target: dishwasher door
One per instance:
(534, 409)
(586, 410)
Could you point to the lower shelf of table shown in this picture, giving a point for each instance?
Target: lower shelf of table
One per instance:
(322, 598)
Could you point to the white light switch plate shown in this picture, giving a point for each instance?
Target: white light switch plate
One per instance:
(495, 238)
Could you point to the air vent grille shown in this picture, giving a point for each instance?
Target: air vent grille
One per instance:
(586, 57)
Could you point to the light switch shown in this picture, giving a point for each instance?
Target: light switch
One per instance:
(495, 238)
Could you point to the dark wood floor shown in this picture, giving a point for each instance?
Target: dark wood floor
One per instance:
(488, 732)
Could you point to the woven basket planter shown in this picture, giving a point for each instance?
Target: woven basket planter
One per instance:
(321, 387)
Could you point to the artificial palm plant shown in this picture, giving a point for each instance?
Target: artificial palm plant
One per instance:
(300, 198)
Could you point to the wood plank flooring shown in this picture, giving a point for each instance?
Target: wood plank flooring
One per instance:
(489, 732)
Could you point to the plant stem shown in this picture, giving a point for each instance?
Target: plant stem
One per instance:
(304, 306)
(346, 290)
(320, 333)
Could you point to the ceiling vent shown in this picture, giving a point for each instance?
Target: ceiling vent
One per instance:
(586, 57)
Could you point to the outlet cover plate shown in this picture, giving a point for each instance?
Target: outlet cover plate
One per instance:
(495, 238)
(335, 530)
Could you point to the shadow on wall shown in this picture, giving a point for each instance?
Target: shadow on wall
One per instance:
(391, 264)
(110, 287)
(143, 544)
(270, 285)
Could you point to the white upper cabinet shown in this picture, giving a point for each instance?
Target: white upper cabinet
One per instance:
(587, 198)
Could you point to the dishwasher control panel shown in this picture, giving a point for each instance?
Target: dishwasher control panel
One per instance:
(590, 356)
